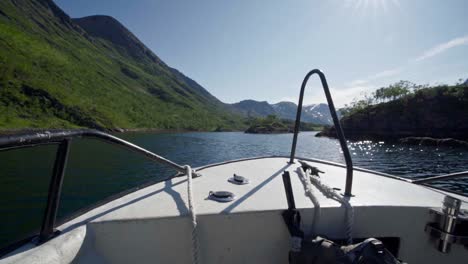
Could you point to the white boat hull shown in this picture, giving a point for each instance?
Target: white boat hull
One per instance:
(152, 225)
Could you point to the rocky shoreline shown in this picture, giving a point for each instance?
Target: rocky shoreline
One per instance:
(434, 116)
(258, 129)
(409, 140)
(428, 141)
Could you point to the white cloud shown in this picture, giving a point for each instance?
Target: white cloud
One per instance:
(358, 82)
(425, 55)
(386, 73)
(389, 39)
(357, 88)
(442, 48)
(371, 78)
(287, 99)
(367, 82)
(340, 96)
(347, 95)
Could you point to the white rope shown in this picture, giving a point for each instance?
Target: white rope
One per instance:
(310, 193)
(193, 215)
(331, 194)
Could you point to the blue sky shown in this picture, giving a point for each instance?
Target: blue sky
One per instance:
(262, 49)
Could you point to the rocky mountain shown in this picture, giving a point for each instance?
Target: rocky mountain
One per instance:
(319, 112)
(252, 108)
(58, 72)
(287, 110)
(315, 113)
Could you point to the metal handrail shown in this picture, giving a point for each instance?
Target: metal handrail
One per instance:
(336, 122)
(450, 176)
(48, 137)
(63, 138)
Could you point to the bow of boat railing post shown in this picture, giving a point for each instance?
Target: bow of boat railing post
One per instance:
(336, 123)
(55, 191)
(63, 139)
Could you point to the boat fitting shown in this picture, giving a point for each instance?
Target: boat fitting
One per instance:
(450, 225)
(239, 180)
(221, 196)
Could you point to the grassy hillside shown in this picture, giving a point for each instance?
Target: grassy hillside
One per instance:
(56, 74)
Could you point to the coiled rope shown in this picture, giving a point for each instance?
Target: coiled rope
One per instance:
(193, 215)
(331, 194)
(310, 193)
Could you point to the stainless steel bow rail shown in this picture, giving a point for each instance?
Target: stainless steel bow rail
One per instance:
(63, 138)
(433, 180)
(336, 123)
(445, 177)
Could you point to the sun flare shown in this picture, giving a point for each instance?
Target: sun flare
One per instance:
(375, 5)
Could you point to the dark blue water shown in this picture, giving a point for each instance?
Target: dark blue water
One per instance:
(97, 170)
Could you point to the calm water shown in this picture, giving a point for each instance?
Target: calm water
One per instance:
(97, 170)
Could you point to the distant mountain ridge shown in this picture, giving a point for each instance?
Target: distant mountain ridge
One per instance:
(314, 113)
(252, 108)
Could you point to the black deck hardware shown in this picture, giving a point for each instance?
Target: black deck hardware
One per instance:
(288, 190)
(63, 139)
(221, 196)
(291, 216)
(239, 180)
(336, 123)
(313, 170)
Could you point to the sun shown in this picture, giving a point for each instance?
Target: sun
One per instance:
(371, 5)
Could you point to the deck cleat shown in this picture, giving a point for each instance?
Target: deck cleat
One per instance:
(221, 196)
(239, 180)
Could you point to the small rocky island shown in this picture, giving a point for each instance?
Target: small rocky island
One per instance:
(273, 125)
(409, 114)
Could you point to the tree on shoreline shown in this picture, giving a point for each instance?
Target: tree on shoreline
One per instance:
(396, 91)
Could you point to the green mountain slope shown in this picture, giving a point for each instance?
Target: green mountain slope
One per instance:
(56, 72)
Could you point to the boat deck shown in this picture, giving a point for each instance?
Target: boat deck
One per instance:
(152, 224)
(264, 193)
